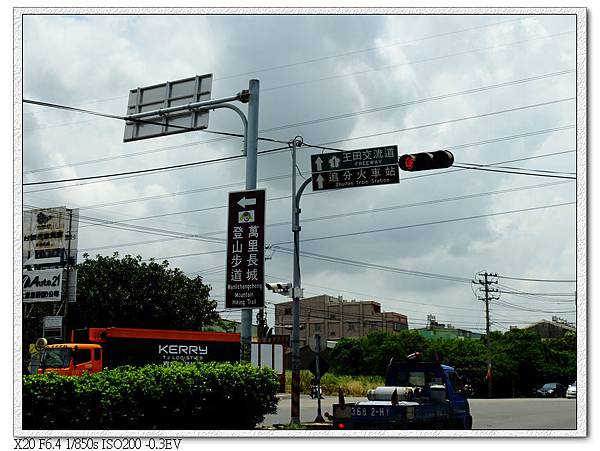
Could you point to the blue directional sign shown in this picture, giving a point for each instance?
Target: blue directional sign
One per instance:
(353, 168)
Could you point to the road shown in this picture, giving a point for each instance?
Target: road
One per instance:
(522, 413)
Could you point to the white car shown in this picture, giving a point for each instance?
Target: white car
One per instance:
(572, 390)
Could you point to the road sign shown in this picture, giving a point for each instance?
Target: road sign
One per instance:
(317, 344)
(166, 95)
(245, 277)
(364, 167)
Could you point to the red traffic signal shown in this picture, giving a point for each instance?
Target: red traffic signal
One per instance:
(426, 160)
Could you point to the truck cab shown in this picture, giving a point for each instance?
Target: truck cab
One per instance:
(71, 359)
(416, 395)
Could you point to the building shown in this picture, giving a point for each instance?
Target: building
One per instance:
(435, 330)
(552, 329)
(334, 318)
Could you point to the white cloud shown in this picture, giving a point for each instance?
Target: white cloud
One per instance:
(313, 67)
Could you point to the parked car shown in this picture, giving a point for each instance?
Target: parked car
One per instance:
(551, 390)
(572, 390)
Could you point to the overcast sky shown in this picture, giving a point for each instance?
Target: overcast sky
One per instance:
(490, 88)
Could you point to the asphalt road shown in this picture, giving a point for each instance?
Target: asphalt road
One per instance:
(522, 413)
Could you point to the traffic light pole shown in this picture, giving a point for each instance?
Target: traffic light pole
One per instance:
(295, 339)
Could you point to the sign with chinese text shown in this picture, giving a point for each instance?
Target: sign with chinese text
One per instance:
(244, 286)
(365, 167)
(42, 286)
(48, 236)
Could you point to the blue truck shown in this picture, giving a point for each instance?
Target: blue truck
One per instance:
(416, 395)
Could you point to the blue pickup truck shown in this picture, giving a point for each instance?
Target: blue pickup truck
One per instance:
(416, 395)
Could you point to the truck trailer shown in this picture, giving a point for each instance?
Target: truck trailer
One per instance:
(95, 349)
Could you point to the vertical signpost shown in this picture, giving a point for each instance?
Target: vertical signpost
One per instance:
(182, 106)
(245, 275)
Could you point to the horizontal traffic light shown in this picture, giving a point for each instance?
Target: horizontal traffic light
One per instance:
(426, 160)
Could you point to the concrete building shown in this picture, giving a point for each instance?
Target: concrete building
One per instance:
(334, 318)
(435, 330)
(552, 329)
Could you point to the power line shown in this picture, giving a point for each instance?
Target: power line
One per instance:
(310, 122)
(481, 168)
(444, 221)
(354, 52)
(321, 146)
(109, 223)
(355, 212)
(538, 280)
(332, 56)
(433, 124)
(490, 141)
(419, 61)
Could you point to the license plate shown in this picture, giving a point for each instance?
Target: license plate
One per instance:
(370, 411)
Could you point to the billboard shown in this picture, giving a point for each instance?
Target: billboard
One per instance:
(43, 285)
(48, 235)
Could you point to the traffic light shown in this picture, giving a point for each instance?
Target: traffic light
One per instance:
(426, 160)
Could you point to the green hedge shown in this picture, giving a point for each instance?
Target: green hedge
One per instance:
(197, 396)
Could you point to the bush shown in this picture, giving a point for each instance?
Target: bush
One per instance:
(196, 396)
(330, 383)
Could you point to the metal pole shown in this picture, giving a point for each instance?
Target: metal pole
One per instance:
(295, 339)
(252, 149)
(68, 268)
(319, 418)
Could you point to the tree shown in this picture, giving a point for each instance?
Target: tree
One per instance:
(126, 292)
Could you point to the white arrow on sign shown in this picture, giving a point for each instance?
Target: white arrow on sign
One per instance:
(320, 181)
(243, 202)
(319, 164)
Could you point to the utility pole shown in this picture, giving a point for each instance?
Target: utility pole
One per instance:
(488, 279)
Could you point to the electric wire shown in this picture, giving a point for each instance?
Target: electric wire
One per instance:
(443, 221)
(325, 58)
(319, 146)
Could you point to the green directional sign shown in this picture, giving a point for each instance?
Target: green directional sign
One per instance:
(354, 168)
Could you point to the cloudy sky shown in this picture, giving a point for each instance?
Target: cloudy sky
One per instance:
(494, 89)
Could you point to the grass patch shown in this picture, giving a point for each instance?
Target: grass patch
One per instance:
(351, 385)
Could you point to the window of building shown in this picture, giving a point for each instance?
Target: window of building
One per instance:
(351, 327)
(317, 327)
(377, 308)
(332, 316)
(287, 311)
(332, 333)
